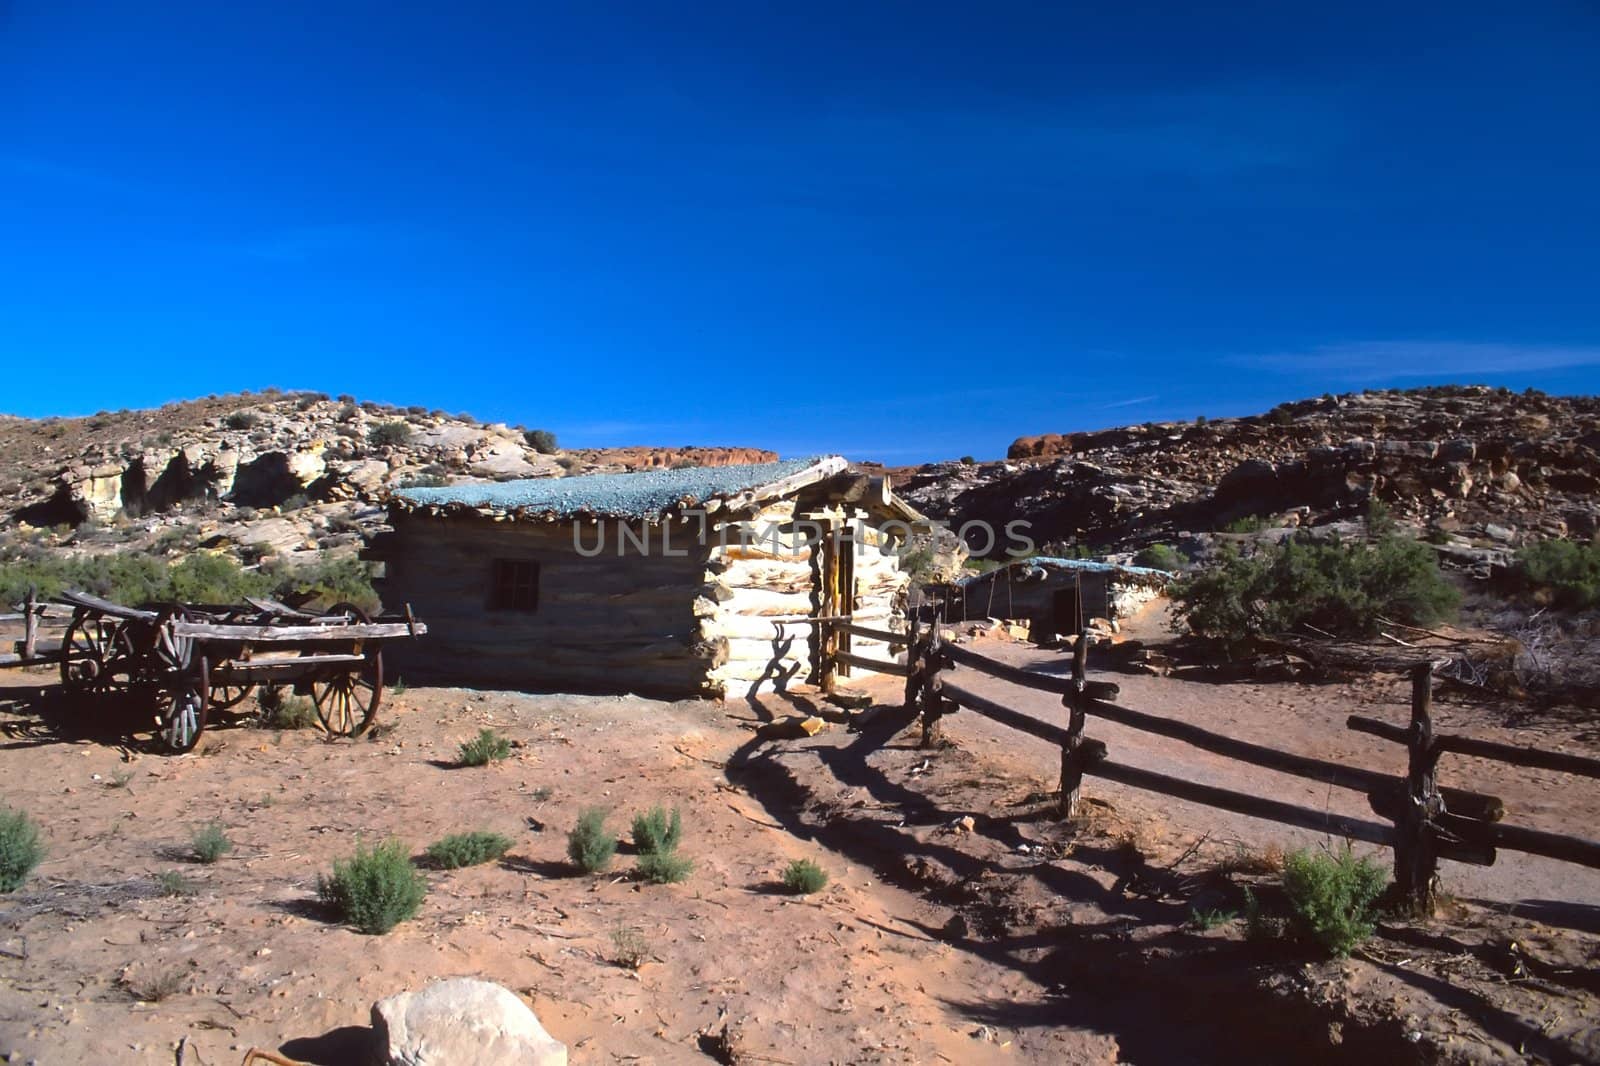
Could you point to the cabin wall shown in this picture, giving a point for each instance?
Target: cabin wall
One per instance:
(610, 623)
(773, 572)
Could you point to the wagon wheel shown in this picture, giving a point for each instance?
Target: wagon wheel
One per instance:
(227, 693)
(183, 707)
(94, 655)
(348, 702)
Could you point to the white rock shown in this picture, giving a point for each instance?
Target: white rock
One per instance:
(462, 1022)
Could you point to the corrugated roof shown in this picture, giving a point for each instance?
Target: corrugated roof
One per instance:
(1085, 566)
(646, 494)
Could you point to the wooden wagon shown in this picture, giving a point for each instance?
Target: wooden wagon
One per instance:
(194, 660)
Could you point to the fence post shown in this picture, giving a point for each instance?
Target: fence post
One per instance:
(914, 662)
(30, 624)
(1416, 858)
(1076, 703)
(932, 701)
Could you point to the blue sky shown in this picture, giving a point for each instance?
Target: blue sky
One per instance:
(901, 231)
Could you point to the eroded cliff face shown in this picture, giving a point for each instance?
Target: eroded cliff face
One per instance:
(1479, 468)
(274, 472)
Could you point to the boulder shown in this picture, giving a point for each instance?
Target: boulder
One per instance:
(462, 1022)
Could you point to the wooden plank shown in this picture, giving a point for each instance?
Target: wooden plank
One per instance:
(1244, 803)
(106, 607)
(258, 668)
(1538, 842)
(1061, 686)
(897, 669)
(255, 634)
(999, 712)
(262, 603)
(1518, 755)
(866, 633)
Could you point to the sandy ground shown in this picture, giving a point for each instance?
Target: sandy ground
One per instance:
(964, 922)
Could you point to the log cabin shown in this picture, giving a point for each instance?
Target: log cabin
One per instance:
(708, 581)
(1055, 596)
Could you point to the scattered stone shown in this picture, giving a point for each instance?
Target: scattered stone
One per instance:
(462, 1021)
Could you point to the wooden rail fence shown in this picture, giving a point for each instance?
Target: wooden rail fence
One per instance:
(1423, 821)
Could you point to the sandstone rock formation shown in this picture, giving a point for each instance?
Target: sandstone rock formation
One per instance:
(1475, 467)
(462, 1022)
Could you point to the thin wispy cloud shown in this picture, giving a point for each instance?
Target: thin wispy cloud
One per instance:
(297, 244)
(1396, 360)
(1134, 402)
(49, 172)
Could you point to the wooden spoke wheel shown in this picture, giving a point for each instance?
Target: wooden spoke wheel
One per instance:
(227, 693)
(96, 655)
(347, 702)
(183, 706)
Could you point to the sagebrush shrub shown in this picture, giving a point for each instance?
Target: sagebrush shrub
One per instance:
(664, 867)
(467, 849)
(374, 890)
(654, 832)
(541, 441)
(385, 433)
(20, 848)
(590, 845)
(1332, 897)
(1160, 557)
(803, 877)
(487, 747)
(1346, 588)
(209, 843)
(282, 710)
(1563, 572)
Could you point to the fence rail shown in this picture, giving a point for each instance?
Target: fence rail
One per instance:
(1425, 821)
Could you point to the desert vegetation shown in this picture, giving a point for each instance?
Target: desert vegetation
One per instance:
(590, 845)
(20, 848)
(467, 849)
(375, 889)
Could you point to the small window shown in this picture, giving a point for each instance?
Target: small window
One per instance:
(514, 585)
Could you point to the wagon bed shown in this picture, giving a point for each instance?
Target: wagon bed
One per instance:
(195, 659)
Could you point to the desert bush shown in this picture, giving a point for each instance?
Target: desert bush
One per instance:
(1250, 523)
(655, 833)
(206, 578)
(280, 709)
(20, 848)
(1160, 557)
(209, 843)
(1331, 897)
(1344, 588)
(1206, 920)
(631, 949)
(803, 877)
(541, 441)
(330, 580)
(1560, 572)
(664, 867)
(483, 749)
(155, 987)
(173, 883)
(389, 433)
(241, 420)
(590, 846)
(467, 849)
(374, 890)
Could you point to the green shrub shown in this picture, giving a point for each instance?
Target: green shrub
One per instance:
(1339, 587)
(654, 833)
(803, 877)
(206, 578)
(1250, 523)
(282, 710)
(209, 843)
(389, 433)
(467, 849)
(330, 580)
(1160, 557)
(20, 848)
(173, 883)
(1561, 572)
(664, 867)
(487, 747)
(589, 845)
(374, 890)
(541, 441)
(1332, 896)
(1206, 920)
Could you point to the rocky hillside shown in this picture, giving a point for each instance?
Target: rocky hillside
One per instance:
(1475, 469)
(264, 474)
